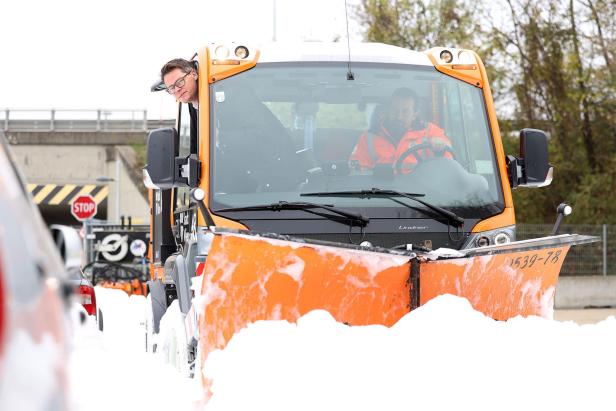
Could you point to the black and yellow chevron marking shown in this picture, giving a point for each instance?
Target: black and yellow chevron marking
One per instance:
(60, 195)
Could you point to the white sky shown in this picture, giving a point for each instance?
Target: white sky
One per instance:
(90, 54)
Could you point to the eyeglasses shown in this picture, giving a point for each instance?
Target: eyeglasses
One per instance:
(179, 83)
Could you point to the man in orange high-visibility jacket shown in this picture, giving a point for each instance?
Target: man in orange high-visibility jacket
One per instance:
(398, 138)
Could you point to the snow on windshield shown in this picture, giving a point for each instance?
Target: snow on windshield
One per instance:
(444, 355)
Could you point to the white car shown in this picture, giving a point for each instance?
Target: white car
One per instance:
(34, 302)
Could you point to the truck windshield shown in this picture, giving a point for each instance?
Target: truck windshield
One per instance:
(283, 129)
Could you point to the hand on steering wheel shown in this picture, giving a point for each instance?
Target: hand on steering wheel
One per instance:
(437, 151)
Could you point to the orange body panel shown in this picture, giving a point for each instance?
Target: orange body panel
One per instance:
(204, 127)
(478, 77)
(213, 73)
(504, 219)
(465, 72)
(496, 138)
(220, 70)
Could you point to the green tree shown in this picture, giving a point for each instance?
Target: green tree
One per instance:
(560, 86)
(420, 24)
(551, 66)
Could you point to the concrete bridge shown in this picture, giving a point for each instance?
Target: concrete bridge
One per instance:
(52, 120)
(66, 153)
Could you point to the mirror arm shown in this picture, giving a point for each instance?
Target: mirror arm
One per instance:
(514, 169)
(187, 170)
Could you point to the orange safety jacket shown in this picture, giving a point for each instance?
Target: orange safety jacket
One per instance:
(378, 148)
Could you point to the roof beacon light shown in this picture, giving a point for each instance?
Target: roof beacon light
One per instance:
(241, 52)
(446, 56)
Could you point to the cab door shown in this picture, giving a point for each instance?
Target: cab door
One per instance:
(184, 210)
(172, 214)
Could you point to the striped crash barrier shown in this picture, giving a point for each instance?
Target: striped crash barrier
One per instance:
(64, 194)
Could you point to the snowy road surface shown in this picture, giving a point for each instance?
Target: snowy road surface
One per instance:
(584, 316)
(444, 355)
(111, 371)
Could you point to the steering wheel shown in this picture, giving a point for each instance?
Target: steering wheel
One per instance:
(414, 149)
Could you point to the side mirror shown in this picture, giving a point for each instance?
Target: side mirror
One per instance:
(158, 85)
(163, 147)
(69, 244)
(532, 168)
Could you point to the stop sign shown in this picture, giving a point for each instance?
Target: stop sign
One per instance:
(83, 207)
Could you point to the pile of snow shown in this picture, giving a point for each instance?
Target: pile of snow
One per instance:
(443, 355)
(112, 371)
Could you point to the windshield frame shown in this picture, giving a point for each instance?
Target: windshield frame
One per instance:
(413, 211)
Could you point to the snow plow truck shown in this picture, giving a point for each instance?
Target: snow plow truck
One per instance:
(262, 209)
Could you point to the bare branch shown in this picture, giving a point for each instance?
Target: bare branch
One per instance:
(595, 15)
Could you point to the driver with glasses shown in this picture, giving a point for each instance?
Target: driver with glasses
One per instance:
(180, 78)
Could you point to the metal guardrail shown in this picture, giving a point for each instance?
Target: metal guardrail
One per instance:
(79, 120)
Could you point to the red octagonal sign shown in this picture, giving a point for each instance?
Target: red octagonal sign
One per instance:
(83, 207)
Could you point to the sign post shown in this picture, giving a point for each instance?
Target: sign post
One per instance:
(83, 208)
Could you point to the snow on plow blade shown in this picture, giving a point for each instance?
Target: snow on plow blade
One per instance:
(267, 277)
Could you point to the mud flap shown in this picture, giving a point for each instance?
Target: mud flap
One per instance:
(159, 305)
(181, 280)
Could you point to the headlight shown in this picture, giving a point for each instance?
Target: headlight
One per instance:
(499, 236)
(482, 241)
(502, 238)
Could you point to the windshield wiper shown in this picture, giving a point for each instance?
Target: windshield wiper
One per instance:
(452, 218)
(348, 217)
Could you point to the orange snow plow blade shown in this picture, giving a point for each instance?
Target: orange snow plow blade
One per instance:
(499, 285)
(248, 277)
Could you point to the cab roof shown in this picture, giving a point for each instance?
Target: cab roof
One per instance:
(360, 52)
